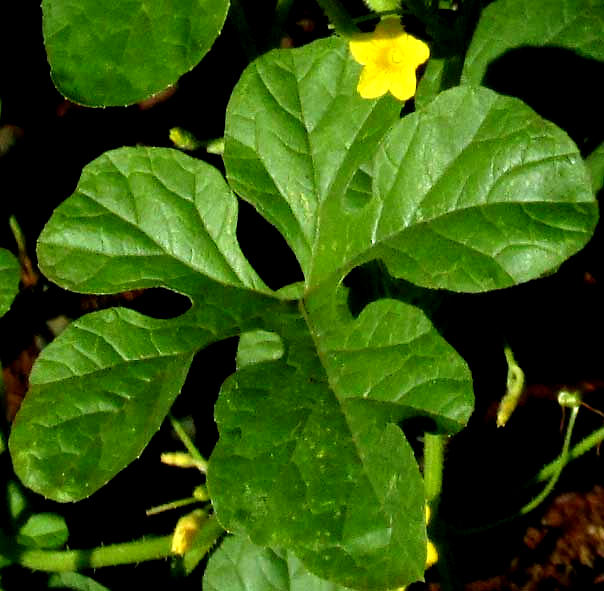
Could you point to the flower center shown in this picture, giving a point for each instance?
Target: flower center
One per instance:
(396, 57)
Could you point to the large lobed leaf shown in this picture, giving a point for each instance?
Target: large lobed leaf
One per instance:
(103, 52)
(139, 218)
(311, 457)
(474, 192)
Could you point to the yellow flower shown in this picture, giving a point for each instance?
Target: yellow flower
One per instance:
(390, 57)
(186, 531)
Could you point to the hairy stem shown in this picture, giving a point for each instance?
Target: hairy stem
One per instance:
(556, 473)
(186, 441)
(434, 449)
(582, 447)
(113, 555)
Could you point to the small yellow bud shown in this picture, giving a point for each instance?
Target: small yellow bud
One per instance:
(181, 459)
(432, 557)
(186, 530)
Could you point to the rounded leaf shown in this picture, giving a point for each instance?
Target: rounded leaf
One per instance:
(103, 52)
(478, 192)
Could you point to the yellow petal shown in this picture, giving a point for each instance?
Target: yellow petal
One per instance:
(363, 49)
(402, 84)
(373, 82)
(432, 556)
(389, 28)
(414, 51)
(366, 47)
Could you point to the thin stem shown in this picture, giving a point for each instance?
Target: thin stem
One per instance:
(578, 450)
(172, 505)
(434, 451)
(338, 17)
(553, 475)
(556, 473)
(186, 440)
(128, 553)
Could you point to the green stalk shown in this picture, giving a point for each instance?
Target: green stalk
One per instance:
(128, 553)
(434, 451)
(578, 450)
(186, 440)
(558, 470)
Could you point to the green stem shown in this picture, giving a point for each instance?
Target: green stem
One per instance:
(338, 17)
(186, 440)
(128, 553)
(434, 451)
(172, 505)
(556, 473)
(578, 450)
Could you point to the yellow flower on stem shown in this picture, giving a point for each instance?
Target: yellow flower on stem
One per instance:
(390, 57)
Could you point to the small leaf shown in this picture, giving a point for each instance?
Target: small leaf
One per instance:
(16, 501)
(239, 565)
(103, 52)
(258, 346)
(74, 581)
(9, 279)
(43, 530)
(595, 164)
(494, 195)
(507, 24)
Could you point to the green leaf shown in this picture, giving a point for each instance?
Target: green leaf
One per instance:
(101, 390)
(296, 134)
(310, 457)
(10, 273)
(494, 194)
(258, 346)
(595, 164)
(440, 74)
(103, 52)
(239, 565)
(43, 530)
(74, 581)
(506, 24)
(16, 501)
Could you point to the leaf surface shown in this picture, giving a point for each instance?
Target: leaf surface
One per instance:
(473, 192)
(139, 218)
(43, 530)
(239, 565)
(103, 52)
(310, 456)
(506, 24)
(296, 134)
(9, 279)
(478, 192)
(595, 164)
